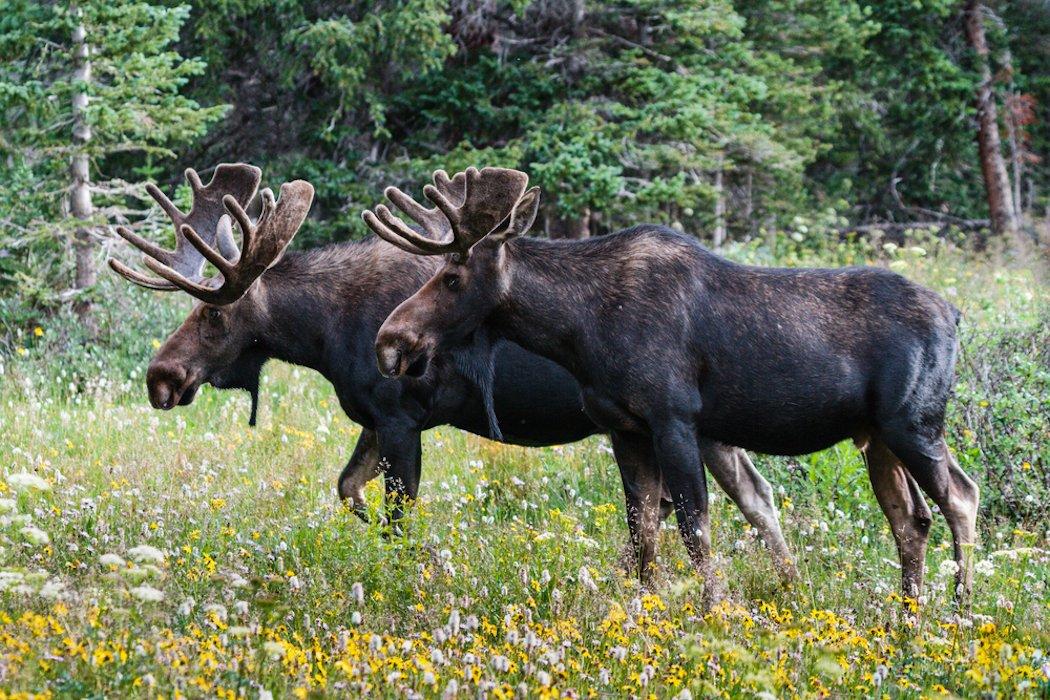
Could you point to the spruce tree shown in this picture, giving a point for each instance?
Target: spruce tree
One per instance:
(89, 92)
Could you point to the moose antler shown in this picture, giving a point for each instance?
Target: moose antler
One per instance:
(264, 243)
(468, 206)
(239, 181)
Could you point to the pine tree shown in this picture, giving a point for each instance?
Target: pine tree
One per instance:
(87, 91)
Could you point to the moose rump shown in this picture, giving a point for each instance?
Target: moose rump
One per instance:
(808, 367)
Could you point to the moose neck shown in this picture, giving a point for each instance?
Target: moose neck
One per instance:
(550, 295)
(321, 308)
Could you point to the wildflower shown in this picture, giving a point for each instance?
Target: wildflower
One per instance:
(145, 554)
(451, 690)
(52, 590)
(35, 535)
(275, 650)
(355, 618)
(147, 594)
(216, 610)
(357, 592)
(8, 505)
(985, 567)
(114, 560)
(25, 482)
(948, 568)
(10, 579)
(38, 331)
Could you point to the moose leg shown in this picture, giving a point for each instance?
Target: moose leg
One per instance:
(642, 490)
(905, 508)
(678, 455)
(401, 460)
(939, 475)
(736, 474)
(362, 468)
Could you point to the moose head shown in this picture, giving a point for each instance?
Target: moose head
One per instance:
(474, 214)
(217, 343)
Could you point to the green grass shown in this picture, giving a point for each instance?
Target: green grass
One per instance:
(506, 581)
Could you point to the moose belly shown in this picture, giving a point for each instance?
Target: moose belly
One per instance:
(779, 424)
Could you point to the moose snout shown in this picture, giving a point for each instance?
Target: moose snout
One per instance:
(399, 353)
(165, 384)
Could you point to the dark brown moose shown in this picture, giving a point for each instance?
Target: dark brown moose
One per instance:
(673, 345)
(322, 308)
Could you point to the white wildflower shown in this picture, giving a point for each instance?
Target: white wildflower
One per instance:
(52, 590)
(111, 559)
(147, 594)
(948, 568)
(275, 650)
(25, 482)
(357, 592)
(985, 567)
(145, 554)
(35, 535)
(10, 579)
(8, 505)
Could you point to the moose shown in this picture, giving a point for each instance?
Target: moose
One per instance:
(674, 345)
(322, 309)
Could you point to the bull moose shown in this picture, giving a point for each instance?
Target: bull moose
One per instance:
(322, 308)
(673, 345)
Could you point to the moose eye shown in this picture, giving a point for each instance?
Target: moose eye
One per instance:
(212, 314)
(451, 281)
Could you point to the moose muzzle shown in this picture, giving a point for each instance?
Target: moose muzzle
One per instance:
(399, 354)
(169, 386)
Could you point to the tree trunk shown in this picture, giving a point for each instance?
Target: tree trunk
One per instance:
(996, 181)
(720, 207)
(573, 227)
(80, 173)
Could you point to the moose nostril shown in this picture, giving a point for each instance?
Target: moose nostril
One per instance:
(389, 360)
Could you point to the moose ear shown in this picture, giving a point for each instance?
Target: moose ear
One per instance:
(520, 218)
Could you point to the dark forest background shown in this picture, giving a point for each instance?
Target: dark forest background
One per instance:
(728, 119)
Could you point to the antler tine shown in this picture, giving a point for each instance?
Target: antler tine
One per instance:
(454, 188)
(384, 232)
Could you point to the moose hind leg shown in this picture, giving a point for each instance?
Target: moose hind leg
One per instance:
(642, 488)
(938, 474)
(905, 509)
(736, 474)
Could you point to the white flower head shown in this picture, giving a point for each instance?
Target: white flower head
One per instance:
(35, 535)
(948, 568)
(8, 505)
(27, 482)
(275, 650)
(147, 594)
(145, 554)
(111, 559)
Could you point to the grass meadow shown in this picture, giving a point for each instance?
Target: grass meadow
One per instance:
(184, 554)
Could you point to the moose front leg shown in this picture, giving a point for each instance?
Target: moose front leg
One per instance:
(675, 443)
(362, 468)
(400, 457)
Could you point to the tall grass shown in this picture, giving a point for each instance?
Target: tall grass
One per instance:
(506, 581)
